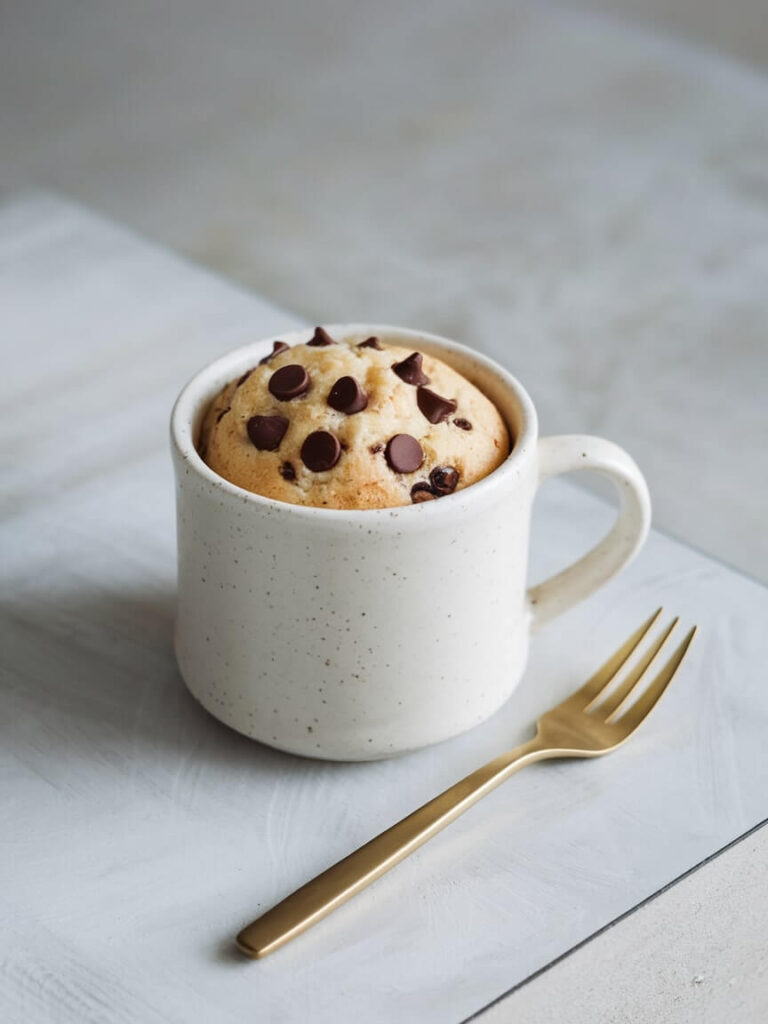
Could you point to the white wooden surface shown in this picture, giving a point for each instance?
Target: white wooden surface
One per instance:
(137, 834)
(695, 955)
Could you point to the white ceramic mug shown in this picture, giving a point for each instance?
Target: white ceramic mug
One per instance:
(354, 635)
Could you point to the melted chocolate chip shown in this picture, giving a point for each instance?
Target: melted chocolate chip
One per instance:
(404, 453)
(347, 396)
(371, 343)
(277, 348)
(222, 414)
(444, 479)
(462, 424)
(287, 472)
(321, 450)
(289, 382)
(434, 406)
(410, 370)
(422, 492)
(243, 379)
(321, 338)
(266, 432)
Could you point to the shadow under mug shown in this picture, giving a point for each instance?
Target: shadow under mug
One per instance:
(354, 635)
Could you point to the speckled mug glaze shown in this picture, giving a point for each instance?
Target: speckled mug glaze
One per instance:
(354, 635)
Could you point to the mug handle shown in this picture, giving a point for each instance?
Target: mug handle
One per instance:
(564, 454)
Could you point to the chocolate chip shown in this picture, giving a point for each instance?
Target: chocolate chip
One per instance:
(321, 338)
(347, 396)
(289, 382)
(266, 432)
(222, 414)
(410, 370)
(434, 406)
(404, 453)
(277, 348)
(375, 448)
(321, 450)
(371, 343)
(287, 472)
(444, 479)
(422, 492)
(463, 424)
(243, 379)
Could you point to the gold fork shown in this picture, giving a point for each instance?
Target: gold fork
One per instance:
(594, 720)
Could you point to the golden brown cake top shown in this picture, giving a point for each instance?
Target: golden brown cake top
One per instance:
(352, 423)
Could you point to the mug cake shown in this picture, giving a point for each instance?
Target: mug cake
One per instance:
(352, 423)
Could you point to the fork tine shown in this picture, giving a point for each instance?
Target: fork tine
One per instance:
(609, 709)
(605, 674)
(645, 704)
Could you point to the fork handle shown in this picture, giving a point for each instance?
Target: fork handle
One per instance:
(337, 884)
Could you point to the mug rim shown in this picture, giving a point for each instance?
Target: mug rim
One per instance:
(226, 367)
